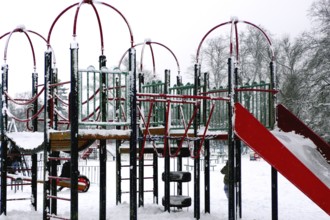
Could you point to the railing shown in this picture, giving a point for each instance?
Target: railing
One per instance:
(254, 97)
(97, 86)
(154, 87)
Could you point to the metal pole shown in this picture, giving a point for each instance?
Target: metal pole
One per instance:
(231, 145)
(34, 168)
(238, 153)
(166, 147)
(73, 109)
(179, 158)
(207, 191)
(155, 177)
(103, 142)
(141, 156)
(133, 137)
(118, 143)
(196, 146)
(272, 119)
(46, 201)
(4, 148)
(53, 124)
(155, 161)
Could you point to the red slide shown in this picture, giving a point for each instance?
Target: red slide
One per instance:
(280, 152)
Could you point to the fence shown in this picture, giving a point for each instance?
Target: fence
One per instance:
(92, 172)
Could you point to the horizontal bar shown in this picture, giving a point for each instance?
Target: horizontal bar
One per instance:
(101, 71)
(60, 198)
(57, 217)
(16, 199)
(165, 100)
(58, 178)
(59, 158)
(104, 123)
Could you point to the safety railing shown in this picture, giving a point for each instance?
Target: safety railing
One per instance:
(255, 97)
(103, 91)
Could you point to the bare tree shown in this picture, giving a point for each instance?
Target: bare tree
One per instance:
(291, 65)
(215, 57)
(254, 56)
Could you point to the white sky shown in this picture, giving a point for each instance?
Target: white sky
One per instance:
(180, 25)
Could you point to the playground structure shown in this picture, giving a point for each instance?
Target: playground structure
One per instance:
(177, 121)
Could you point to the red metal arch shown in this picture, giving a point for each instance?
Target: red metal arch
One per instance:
(98, 20)
(149, 43)
(234, 28)
(22, 30)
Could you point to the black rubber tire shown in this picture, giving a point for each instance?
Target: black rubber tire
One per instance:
(178, 201)
(178, 176)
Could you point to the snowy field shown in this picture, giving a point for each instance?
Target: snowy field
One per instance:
(256, 198)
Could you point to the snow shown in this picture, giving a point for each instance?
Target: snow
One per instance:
(256, 190)
(30, 140)
(305, 150)
(104, 132)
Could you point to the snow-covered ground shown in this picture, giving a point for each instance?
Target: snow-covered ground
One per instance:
(293, 204)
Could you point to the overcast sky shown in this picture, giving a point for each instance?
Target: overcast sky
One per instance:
(178, 24)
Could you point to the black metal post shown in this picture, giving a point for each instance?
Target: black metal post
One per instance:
(155, 161)
(118, 144)
(74, 130)
(4, 148)
(231, 146)
(53, 163)
(179, 158)
(238, 153)
(207, 184)
(167, 153)
(133, 137)
(46, 200)
(141, 156)
(34, 171)
(272, 119)
(196, 146)
(103, 142)
(54, 80)
(34, 168)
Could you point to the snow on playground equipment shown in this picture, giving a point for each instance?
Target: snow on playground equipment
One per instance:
(178, 121)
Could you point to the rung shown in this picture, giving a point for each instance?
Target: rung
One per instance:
(57, 217)
(58, 178)
(59, 158)
(127, 178)
(145, 165)
(19, 184)
(148, 177)
(16, 199)
(60, 198)
(125, 192)
(125, 165)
